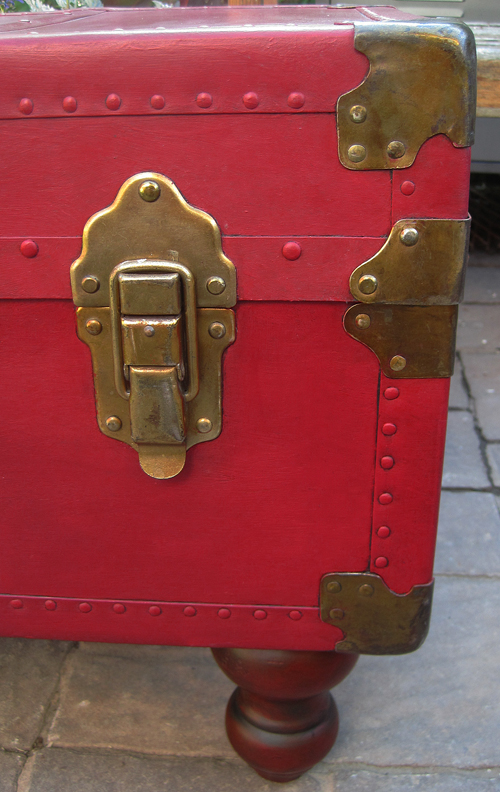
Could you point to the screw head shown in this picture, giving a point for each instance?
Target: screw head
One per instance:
(149, 191)
(396, 149)
(149, 331)
(29, 248)
(363, 321)
(366, 590)
(409, 236)
(367, 284)
(90, 284)
(204, 425)
(217, 330)
(398, 363)
(291, 250)
(358, 114)
(334, 587)
(337, 614)
(356, 153)
(216, 285)
(113, 423)
(93, 326)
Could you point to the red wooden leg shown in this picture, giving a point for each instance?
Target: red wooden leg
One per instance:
(282, 719)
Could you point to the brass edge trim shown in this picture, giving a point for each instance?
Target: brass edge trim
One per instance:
(374, 619)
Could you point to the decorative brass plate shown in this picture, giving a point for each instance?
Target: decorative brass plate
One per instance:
(373, 618)
(421, 83)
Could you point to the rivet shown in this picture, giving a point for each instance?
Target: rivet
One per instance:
(85, 607)
(291, 250)
(409, 236)
(204, 425)
(397, 363)
(383, 532)
(69, 104)
(149, 331)
(16, 603)
(260, 614)
(334, 587)
(366, 590)
(149, 191)
(396, 149)
(119, 608)
(216, 285)
(385, 498)
(337, 614)
(389, 429)
(50, 605)
(387, 462)
(391, 393)
(367, 284)
(223, 613)
(381, 562)
(356, 153)
(363, 321)
(113, 101)
(90, 284)
(251, 100)
(296, 100)
(26, 106)
(204, 100)
(217, 330)
(154, 610)
(295, 615)
(113, 423)
(358, 114)
(189, 611)
(407, 188)
(29, 248)
(93, 326)
(157, 102)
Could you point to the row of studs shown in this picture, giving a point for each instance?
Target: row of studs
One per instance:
(387, 462)
(204, 100)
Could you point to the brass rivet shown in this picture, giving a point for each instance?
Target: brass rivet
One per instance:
(93, 326)
(363, 321)
(358, 114)
(216, 285)
(398, 362)
(356, 153)
(113, 423)
(409, 236)
(90, 284)
(217, 330)
(368, 284)
(396, 149)
(204, 425)
(366, 590)
(149, 331)
(337, 614)
(149, 191)
(334, 587)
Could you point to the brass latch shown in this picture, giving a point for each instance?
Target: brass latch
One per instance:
(153, 286)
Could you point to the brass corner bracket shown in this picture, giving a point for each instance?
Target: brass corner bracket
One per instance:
(421, 83)
(374, 619)
(153, 290)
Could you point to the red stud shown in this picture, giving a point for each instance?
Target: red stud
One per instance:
(189, 611)
(85, 607)
(407, 188)
(260, 614)
(389, 429)
(119, 608)
(69, 104)
(251, 100)
(204, 100)
(224, 613)
(296, 100)
(29, 248)
(113, 102)
(381, 562)
(383, 532)
(385, 498)
(391, 393)
(291, 250)
(157, 102)
(154, 610)
(16, 603)
(26, 106)
(295, 615)
(387, 462)
(50, 605)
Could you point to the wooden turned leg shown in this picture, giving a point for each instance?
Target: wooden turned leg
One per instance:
(282, 719)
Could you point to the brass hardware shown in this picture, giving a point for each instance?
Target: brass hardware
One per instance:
(90, 284)
(423, 336)
(358, 114)
(421, 82)
(397, 363)
(363, 321)
(428, 273)
(367, 284)
(156, 357)
(356, 153)
(375, 620)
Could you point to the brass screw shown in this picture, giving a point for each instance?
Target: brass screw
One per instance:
(216, 285)
(113, 423)
(396, 149)
(93, 326)
(217, 330)
(398, 363)
(337, 614)
(363, 321)
(149, 331)
(334, 587)
(368, 284)
(356, 153)
(366, 590)
(204, 425)
(358, 114)
(90, 284)
(409, 236)
(149, 191)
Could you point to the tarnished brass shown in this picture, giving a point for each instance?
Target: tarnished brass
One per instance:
(374, 619)
(421, 82)
(422, 336)
(421, 263)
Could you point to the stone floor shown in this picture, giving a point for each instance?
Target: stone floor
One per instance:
(112, 718)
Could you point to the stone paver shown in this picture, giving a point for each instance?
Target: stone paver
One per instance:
(29, 672)
(10, 766)
(388, 781)
(478, 329)
(459, 398)
(468, 541)
(493, 454)
(463, 465)
(483, 375)
(482, 285)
